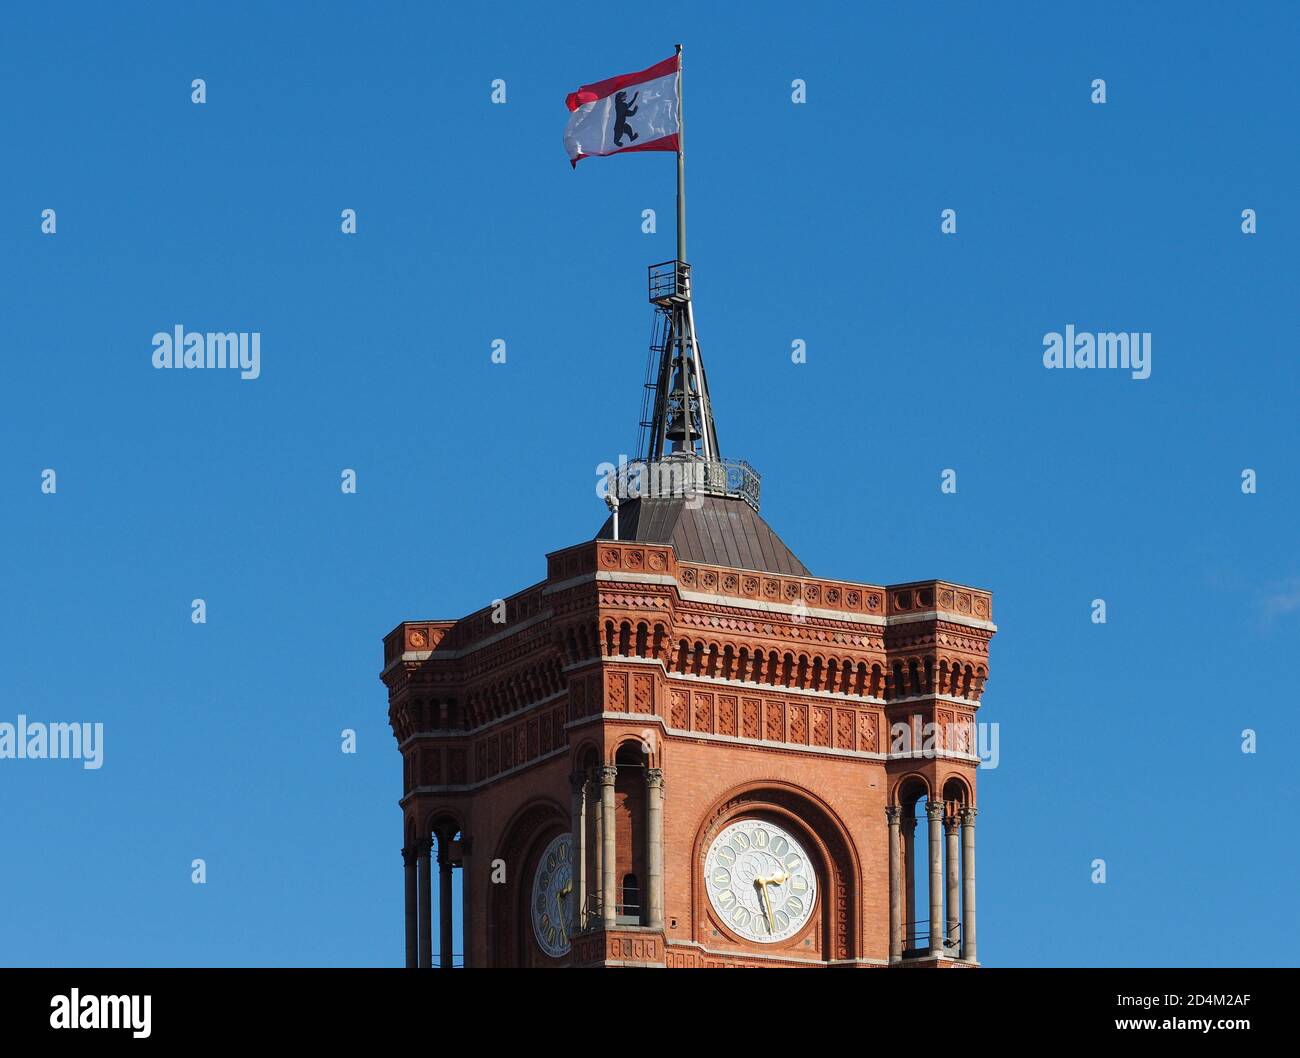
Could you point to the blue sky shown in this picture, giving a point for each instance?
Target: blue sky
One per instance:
(817, 222)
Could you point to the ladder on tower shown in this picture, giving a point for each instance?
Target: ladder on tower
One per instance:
(660, 338)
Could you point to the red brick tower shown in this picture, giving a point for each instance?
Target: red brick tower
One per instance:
(680, 748)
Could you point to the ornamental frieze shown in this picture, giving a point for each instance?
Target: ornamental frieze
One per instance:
(866, 599)
(773, 720)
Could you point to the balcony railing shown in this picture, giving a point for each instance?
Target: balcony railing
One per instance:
(670, 282)
(916, 940)
(624, 914)
(687, 476)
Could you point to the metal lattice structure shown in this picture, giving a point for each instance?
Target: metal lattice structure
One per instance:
(679, 438)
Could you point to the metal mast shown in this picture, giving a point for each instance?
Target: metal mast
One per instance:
(681, 164)
(679, 441)
(683, 416)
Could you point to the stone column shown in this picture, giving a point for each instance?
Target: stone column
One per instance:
(597, 878)
(444, 901)
(608, 876)
(894, 815)
(934, 815)
(968, 884)
(951, 871)
(909, 876)
(654, 779)
(578, 848)
(467, 894)
(412, 909)
(422, 849)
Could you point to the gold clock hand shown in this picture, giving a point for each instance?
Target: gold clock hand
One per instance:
(762, 884)
(559, 904)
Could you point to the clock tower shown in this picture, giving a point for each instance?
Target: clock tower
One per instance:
(681, 748)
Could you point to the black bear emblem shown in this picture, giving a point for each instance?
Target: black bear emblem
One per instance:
(623, 109)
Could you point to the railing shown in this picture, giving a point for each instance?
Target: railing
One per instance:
(687, 477)
(670, 281)
(743, 480)
(916, 939)
(624, 914)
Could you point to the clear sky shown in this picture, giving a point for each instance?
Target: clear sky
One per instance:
(819, 222)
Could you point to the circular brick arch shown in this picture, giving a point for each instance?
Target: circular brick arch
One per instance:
(587, 752)
(816, 822)
(962, 786)
(508, 904)
(442, 820)
(640, 743)
(910, 788)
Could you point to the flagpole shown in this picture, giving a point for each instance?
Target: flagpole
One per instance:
(681, 164)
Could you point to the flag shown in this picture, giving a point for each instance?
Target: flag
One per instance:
(631, 112)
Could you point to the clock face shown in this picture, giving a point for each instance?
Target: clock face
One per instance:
(554, 900)
(760, 881)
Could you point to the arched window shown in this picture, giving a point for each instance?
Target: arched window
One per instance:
(631, 898)
(630, 857)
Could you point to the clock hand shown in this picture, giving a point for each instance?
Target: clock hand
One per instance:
(771, 925)
(559, 903)
(763, 883)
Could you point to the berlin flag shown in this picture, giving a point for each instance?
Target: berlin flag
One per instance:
(631, 112)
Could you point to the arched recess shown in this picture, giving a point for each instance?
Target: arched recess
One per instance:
(586, 756)
(827, 838)
(632, 852)
(911, 793)
(510, 937)
(439, 820)
(443, 828)
(638, 750)
(957, 792)
(909, 789)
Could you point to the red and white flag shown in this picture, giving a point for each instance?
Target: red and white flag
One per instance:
(631, 112)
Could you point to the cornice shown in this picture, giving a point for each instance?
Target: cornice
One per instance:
(464, 788)
(470, 732)
(768, 606)
(746, 686)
